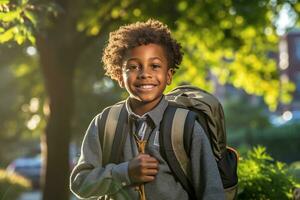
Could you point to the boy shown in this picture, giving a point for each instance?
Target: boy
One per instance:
(143, 57)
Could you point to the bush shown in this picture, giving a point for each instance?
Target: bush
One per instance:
(260, 177)
(282, 142)
(12, 185)
(295, 170)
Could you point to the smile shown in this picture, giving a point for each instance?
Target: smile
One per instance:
(146, 87)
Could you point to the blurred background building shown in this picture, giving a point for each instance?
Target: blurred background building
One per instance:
(289, 66)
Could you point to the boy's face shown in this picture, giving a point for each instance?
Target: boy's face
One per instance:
(146, 73)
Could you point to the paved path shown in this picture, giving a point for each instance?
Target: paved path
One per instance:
(36, 195)
(32, 195)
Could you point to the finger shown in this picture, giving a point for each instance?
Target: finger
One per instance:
(144, 155)
(151, 159)
(150, 165)
(147, 178)
(148, 160)
(151, 172)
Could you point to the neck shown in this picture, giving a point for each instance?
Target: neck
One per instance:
(140, 107)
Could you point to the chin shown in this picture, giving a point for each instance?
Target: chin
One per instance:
(144, 99)
(149, 100)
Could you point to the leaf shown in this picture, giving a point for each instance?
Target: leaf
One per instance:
(22, 70)
(2, 2)
(10, 16)
(31, 38)
(182, 6)
(20, 39)
(7, 35)
(32, 18)
(24, 2)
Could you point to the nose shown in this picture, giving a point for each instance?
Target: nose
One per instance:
(145, 72)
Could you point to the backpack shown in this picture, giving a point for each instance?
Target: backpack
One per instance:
(186, 104)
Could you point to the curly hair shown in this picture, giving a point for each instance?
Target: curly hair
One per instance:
(140, 33)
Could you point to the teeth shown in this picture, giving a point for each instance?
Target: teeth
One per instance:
(146, 86)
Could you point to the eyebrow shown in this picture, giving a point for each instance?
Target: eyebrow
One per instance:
(152, 58)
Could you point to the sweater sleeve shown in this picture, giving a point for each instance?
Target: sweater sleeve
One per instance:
(89, 179)
(205, 174)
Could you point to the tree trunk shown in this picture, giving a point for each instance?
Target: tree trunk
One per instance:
(58, 69)
(59, 46)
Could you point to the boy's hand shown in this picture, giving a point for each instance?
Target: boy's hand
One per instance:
(142, 168)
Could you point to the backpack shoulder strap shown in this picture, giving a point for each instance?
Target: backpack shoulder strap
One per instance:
(174, 141)
(112, 129)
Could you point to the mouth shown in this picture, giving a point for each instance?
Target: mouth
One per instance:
(146, 86)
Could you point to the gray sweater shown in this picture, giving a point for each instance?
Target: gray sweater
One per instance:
(89, 179)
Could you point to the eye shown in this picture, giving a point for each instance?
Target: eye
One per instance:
(132, 67)
(155, 66)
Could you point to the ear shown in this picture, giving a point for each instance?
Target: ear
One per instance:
(170, 76)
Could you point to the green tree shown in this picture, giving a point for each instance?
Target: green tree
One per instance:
(230, 38)
(21, 92)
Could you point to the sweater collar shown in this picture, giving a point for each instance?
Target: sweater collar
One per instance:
(155, 114)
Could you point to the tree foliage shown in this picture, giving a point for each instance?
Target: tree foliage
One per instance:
(231, 39)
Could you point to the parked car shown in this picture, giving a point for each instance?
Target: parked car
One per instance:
(29, 167)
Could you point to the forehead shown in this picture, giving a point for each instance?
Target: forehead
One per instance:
(147, 51)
